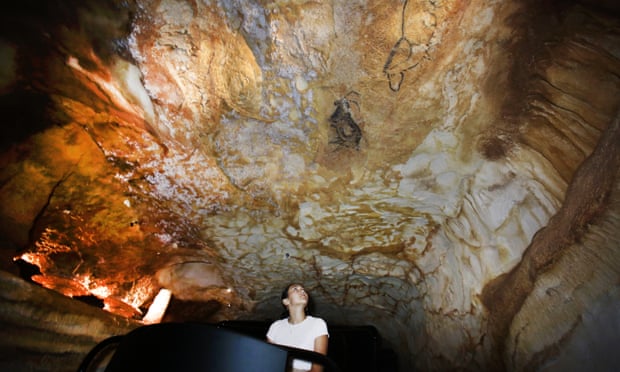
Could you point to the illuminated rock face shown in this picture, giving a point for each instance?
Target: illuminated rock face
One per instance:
(421, 166)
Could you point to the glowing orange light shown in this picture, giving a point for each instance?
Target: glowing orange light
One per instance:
(98, 290)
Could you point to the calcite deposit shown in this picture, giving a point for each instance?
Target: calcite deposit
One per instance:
(445, 171)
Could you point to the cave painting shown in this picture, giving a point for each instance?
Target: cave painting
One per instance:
(346, 131)
(417, 28)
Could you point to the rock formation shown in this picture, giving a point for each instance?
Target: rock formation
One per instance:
(446, 171)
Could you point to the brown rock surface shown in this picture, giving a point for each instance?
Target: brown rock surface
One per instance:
(443, 170)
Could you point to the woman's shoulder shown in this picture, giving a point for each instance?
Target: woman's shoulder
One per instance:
(280, 321)
(316, 319)
(318, 325)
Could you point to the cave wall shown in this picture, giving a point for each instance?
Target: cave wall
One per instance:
(438, 169)
(43, 330)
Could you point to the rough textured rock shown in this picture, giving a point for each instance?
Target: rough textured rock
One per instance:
(443, 170)
(43, 330)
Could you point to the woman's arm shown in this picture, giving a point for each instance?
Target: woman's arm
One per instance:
(320, 346)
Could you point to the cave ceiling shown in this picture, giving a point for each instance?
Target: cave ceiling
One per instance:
(411, 162)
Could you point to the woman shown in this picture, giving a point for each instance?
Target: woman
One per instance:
(299, 329)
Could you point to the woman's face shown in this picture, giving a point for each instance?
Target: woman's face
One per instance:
(297, 295)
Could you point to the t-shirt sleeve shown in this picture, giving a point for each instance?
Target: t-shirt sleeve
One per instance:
(321, 328)
(270, 332)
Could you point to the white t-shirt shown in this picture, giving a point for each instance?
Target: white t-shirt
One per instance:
(300, 335)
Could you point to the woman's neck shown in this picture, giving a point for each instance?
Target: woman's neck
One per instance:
(296, 315)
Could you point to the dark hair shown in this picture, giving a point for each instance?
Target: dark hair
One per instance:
(284, 295)
(285, 291)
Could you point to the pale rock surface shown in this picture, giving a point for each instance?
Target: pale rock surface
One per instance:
(396, 157)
